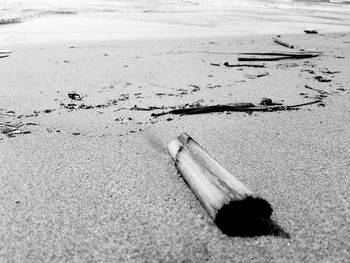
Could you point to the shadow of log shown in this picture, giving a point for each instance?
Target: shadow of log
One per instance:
(249, 217)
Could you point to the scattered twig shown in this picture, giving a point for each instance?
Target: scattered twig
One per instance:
(226, 64)
(291, 54)
(32, 123)
(18, 125)
(244, 65)
(318, 90)
(5, 51)
(146, 109)
(263, 58)
(12, 129)
(310, 31)
(7, 114)
(5, 21)
(19, 132)
(285, 44)
(274, 56)
(4, 56)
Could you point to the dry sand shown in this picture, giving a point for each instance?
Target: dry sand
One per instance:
(97, 184)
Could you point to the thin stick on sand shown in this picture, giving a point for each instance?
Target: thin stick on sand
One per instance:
(285, 44)
(318, 90)
(7, 114)
(301, 54)
(226, 64)
(233, 206)
(274, 56)
(254, 58)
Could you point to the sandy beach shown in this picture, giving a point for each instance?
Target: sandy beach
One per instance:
(91, 180)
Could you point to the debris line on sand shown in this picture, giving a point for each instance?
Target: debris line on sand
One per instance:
(235, 107)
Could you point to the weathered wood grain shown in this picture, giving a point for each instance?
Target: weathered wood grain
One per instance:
(231, 204)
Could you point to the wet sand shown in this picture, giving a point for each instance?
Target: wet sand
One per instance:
(93, 181)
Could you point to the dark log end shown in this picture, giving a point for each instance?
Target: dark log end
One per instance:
(248, 217)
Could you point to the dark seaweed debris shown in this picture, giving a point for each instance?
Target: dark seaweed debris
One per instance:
(10, 130)
(74, 96)
(234, 107)
(227, 64)
(322, 79)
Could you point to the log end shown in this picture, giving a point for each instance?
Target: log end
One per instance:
(174, 147)
(247, 217)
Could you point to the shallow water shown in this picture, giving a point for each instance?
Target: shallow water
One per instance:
(137, 18)
(18, 11)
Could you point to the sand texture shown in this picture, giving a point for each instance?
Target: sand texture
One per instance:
(91, 179)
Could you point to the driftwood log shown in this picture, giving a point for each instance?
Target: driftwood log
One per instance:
(233, 206)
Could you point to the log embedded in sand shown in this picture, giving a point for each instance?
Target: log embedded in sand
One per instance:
(231, 204)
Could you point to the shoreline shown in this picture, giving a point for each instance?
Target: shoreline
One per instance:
(167, 40)
(134, 26)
